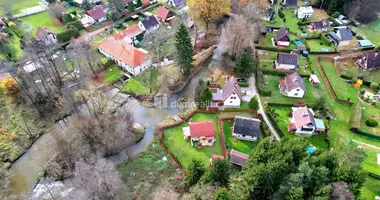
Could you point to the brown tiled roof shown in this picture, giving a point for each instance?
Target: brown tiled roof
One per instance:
(96, 13)
(294, 81)
(282, 35)
(230, 87)
(42, 32)
(238, 158)
(130, 32)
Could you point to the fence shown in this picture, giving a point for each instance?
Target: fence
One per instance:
(162, 128)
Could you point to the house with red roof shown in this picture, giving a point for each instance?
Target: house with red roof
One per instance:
(130, 34)
(98, 14)
(133, 60)
(46, 35)
(230, 94)
(164, 14)
(201, 133)
(303, 122)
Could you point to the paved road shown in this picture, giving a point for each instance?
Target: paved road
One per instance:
(252, 81)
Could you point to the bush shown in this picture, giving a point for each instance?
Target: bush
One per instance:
(371, 123)
(359, 37)
(254, 103)
(281, 14)
(284, 19)
(77, 24)
(374, 85)
(243, 84)
(325, 40)
(67, 35)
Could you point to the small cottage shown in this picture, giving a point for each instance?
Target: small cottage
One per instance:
(46, 35)
(98, 14)
(246, 128)
(314, 80)
(149, 24)
(201, 133)
(230, 95)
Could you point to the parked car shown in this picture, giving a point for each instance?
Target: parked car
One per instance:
(242, 80)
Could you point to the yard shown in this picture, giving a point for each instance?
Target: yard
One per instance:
(267, 41)
(370, 189)
(231, 143)
(371, 32)
(135, 86)
(17, 5)
(342, 89)
(370, 112)
(315, 45)
(291, 21)
(283, 120)
(370, 164)
(311, 97)
(132, 22)
(43, 19)
(112, 74)
(183, 151)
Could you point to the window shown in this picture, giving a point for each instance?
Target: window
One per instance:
(243, 135)
(296, 94)
(209, 141)
(230, 101)
(298, 90)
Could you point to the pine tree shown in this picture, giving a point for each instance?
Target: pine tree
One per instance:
(244, 63)
(184, 49)
(131, 7)
(138, 3)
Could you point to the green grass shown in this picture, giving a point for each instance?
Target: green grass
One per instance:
(315, 46)
(267, 41)
(14, 42)
(371, 32)
(370, 112)
(182, 149)
(148, 171)
(18, 5)
(311, 97)
(43, 19)
(135, 86)
(112, 74)
(342, 89)
(283, 120)
(370, 189)
(370, 164)
(231, 143)
(133, 22)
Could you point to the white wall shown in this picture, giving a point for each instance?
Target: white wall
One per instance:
(283, 66)
(232, 101)
(299, 131)
(281, 43)
(299, 93)
(246, 137)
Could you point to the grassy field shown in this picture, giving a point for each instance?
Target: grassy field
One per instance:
(370, 113)
(371, 32)
(112, 73)
(182, 149)
(135, 86)
(311, 97)
(17, 5)
(283, 120)
(370, 164)
(231, 143)
(43, 19)
(342, 89)
(370, 189)
(315, 46)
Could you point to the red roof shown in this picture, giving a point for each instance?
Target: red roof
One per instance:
(282, 83)
(162, 13)
(123, 51)
(96, 13)
(238, 158)
(145, 2)
(130, 32)
(216, 156)
(201, 129)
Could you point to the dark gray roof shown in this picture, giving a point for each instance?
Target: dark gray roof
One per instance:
(247, 126)
(342, 33)
(373, 60)
(282, 35)
(294, 81)
(179, 3)
(149, 22)
(291, 2)
(287, 59)
(323, 24)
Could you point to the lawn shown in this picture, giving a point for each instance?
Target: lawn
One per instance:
(316, 46)
(310, 98)
(133, 22)
(291, 21)
(342, 89)
(17, 5)
(14, 42)
(112, 74)
(370, 189)
(283, 120)
(182, 149)
(43, 19)
(267, 41)
(370, 164)
(231, 143)
(370, 112)
(371, 32)
(135, 86)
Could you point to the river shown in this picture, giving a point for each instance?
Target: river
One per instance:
(26, 169)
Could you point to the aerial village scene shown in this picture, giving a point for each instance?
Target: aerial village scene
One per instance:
(189, 99)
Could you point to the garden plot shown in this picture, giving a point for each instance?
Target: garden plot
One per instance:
(43, 19)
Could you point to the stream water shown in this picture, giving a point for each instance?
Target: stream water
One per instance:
(26, 169)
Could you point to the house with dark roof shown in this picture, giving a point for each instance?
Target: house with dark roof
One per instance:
(282, 38)
(177, 3)
(340, 35)
(287, 61)
(292, 86)
(149, 24)
(230, 94)
(98, 14)
(238, 158)
(289, 2)
(201, 133)
(322, 25)
(46, 35)
(369, 61)
(246, 128)
(303, 122)
(164, 14)
(269, 14)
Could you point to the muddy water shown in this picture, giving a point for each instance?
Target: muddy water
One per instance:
(25, 170)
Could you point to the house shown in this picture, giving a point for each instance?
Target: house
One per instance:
(46, 35)
(282, 38)
(269, 14)
(133, 60)
(246, 128)
(86, 21)
(200, 132)
(130, 34)
(303, 122)
(369, 61)
(287, 61)
(304, 12)
(149, 24)
(314, 80)
(322, 25)
(98, 14)
(164, 14)
(238, 158)
(177, 3)
(340, 35)
(292, 86)
(230, 94)
(290, 2)
(80, 2)
(365, 43)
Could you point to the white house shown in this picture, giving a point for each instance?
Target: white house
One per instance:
(314, 80)
(287, 61)
(303, 122)
(304, 12)
(98, 14)
(246, 128)
(292, 86)
(149, 24)
(340, 35)
(133, 60)
(282, 38)
(80, 2)
(46, 35)
(230, 94)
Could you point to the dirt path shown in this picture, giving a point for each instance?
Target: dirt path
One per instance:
(368, 145)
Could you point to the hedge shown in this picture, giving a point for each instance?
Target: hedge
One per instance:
(273, 49)
(355, 117)
(323, 52)
(243, 84)
(77, 24)
(325, 40)
(274, 123)
(14, 28)
(373, 175)
(278, 72)
(289, 104)
(312, 37)
(261, 84)
(67, 35)
(359, 132)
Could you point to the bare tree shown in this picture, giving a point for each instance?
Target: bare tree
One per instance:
(355, 9)
(339, 190)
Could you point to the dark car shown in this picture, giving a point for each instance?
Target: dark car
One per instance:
(242, 80)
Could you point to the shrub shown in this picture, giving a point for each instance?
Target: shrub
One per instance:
(243, 84)
(325, 40)
(254, 103)
(371, 123)
(359, 37)
(284, 19)
(77, 24)
(374, 85)
(362, 91)
(68, 35)
(281, 14)
(273, 49)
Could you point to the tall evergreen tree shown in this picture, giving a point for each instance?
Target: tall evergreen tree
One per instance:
(184, 49)
(196, 169)
(244, 63)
